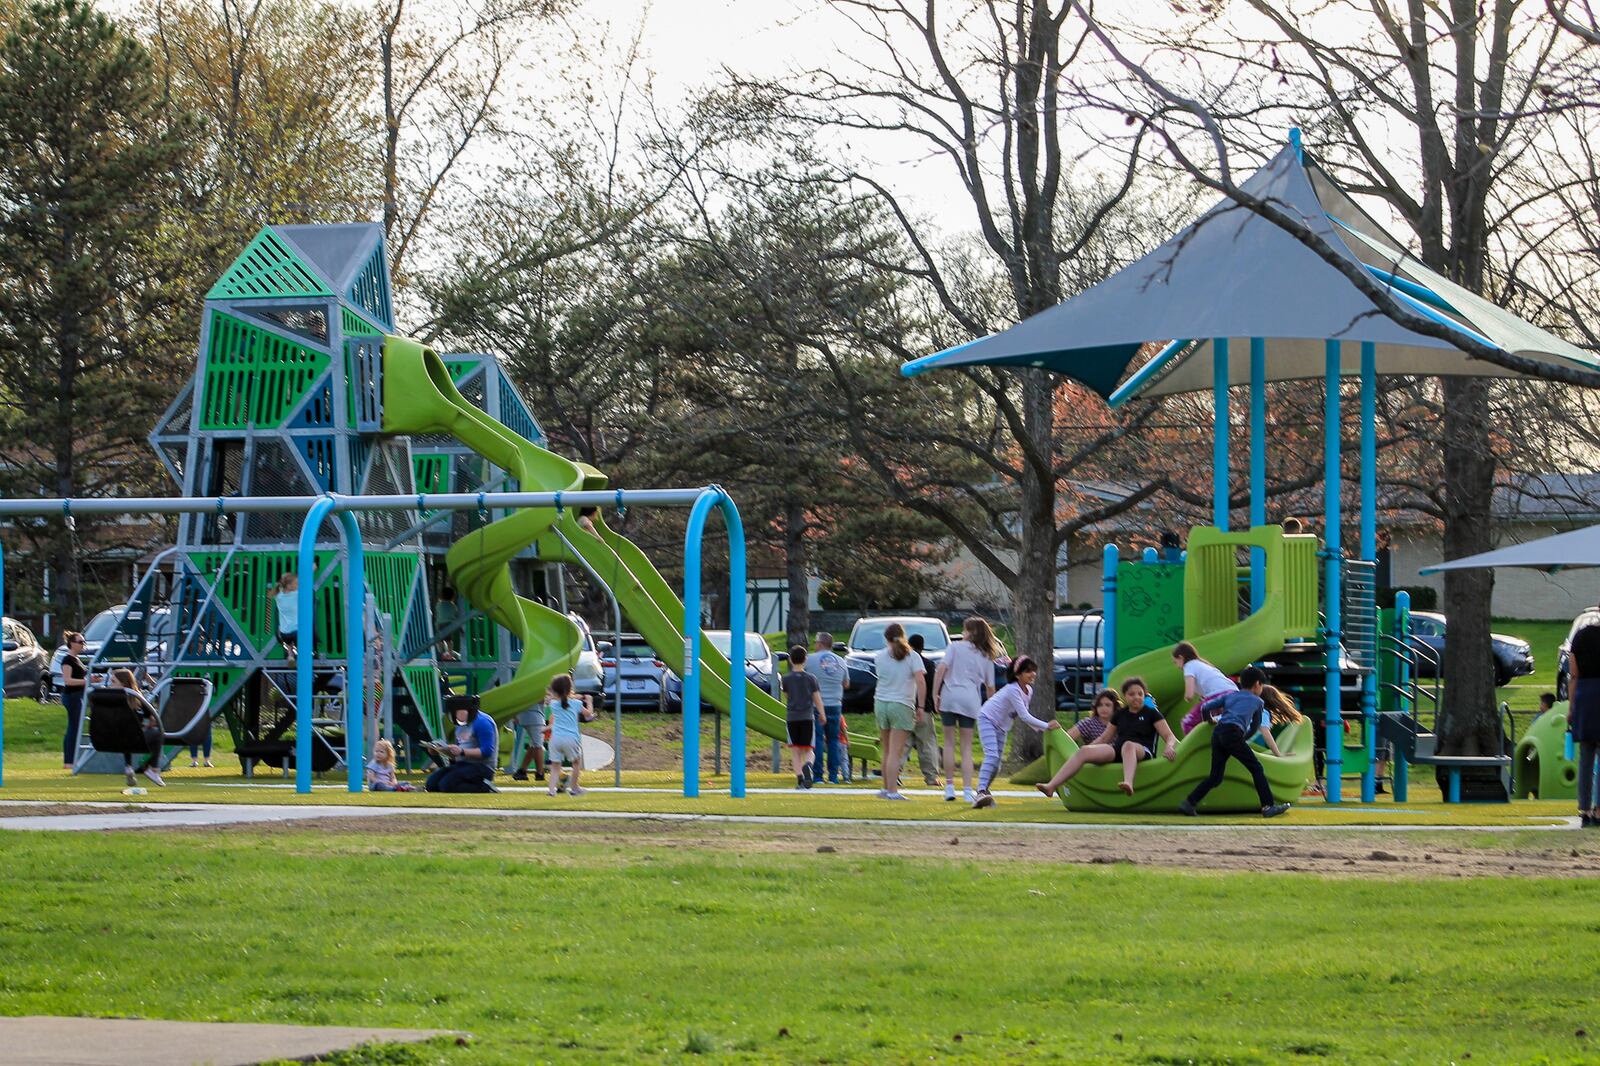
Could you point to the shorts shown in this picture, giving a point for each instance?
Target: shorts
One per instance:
(951, 720)
(801, 734)
(1146, 753)
(894, 715)
(566, 750)
(963, 701)
(532, 721)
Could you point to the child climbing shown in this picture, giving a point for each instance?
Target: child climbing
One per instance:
(286, 602)
(1243, 713)
(1008, 705)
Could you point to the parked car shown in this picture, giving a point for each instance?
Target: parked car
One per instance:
(26, 664)
(641, 673)
(1589, 617)
(586, 679)
(866, 640)
(1080, 657)
(760, 666)
(1513, 657)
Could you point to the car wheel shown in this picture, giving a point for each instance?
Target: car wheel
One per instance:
(43, 691)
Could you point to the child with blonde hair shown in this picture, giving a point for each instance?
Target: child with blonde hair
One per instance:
(380, 771)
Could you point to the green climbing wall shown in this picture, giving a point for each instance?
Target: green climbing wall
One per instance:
(254, 378)
(1149, 607)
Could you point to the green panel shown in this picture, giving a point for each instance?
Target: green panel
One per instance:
(460, 368)
(245, 591)
(423, 681)
(356, 326)
(481, 646)
(431, 473)
(267, 268)
(1149, 607)
(389, 577)
(254, 378)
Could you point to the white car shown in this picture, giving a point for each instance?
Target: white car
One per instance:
(586, 676)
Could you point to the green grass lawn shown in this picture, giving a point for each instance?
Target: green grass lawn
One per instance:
(605, 953)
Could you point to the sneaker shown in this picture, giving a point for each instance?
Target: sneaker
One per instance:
(155, 775)
(949, 793)
(210, 765)
(1185, 807)
(194, 763)
(969, 797)
(896, 796)
(799, 782)
(1379, 789)
(983, 800)
(552, 790)
(579, 790)
(538, 775)
(133, 782)
(805, 772)
(1274, 810)
(519, 775)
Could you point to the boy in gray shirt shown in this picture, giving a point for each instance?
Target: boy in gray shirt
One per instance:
(803, 696)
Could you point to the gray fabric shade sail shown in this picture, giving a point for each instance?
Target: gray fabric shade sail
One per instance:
(1564, 551)
(1236, 275)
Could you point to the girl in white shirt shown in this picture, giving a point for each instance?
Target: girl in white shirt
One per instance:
(1201, 680)
(963, 681)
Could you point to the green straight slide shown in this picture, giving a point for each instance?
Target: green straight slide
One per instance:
(1211, 623)
(420, 397)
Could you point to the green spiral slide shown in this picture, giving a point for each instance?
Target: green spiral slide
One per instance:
(419, 397)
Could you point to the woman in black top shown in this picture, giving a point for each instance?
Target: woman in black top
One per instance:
(74, 683)
(1583, 715)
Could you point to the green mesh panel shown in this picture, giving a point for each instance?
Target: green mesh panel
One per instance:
(1149, 607)
(460, 368)
(431, 473)
(267, 268)
(389, 577)
(244, 590)
(253, 376)
(423, 681)
(356, 326)
(480, 643)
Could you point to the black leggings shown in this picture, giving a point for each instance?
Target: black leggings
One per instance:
(1227, 742)
(152, 743)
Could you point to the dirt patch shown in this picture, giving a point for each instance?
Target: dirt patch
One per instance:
(37, 810)
(1335, 854)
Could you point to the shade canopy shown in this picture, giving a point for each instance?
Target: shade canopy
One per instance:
(1564, 551)
(1234, 274)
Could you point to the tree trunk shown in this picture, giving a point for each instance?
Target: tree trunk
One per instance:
(391, 122)
(1034, 597)
(796, 564)
(1468, 718)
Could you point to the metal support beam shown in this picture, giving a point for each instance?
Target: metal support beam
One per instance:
(1108, 611)
(1258, 464)
(355, 600)
(709, 498)
(1332, 591)
(1219, 433)
(1369, 553)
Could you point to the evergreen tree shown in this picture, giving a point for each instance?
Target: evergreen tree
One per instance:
(96, 308)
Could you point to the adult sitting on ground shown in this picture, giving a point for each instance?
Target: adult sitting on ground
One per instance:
(473, 754)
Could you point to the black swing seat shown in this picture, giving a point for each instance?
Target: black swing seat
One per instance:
(113, 723)
(184, 706)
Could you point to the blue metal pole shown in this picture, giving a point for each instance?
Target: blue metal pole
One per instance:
(1369, 553)
(691, 642)
(1258, 465)
(736, 676)
(1331, 583)
(355, 646)
(1108, 612)
(1219, 432)
(305, 650)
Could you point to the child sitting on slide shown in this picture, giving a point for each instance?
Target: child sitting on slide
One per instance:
(1130, 739)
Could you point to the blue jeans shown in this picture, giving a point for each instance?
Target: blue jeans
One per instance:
(193, 754)
(72, 700)
(461, 777)
(830, 744)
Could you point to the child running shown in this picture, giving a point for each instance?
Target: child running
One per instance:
(1129, 739)
(803, 697)
(566, 740)
(1243, 714)
(1008, 705)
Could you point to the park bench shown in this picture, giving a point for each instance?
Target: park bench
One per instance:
(1486, 777)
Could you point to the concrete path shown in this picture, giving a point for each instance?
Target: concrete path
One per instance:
(176, 815)
(41, 1041)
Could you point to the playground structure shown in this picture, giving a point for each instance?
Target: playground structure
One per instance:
(1264, 307)
(304, 406)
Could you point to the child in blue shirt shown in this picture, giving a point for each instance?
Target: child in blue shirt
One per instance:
(566, 740)
(1241, 715)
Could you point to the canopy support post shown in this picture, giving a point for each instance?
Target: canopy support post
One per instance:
(1332, 593)
(1258, 464)
(1369, 553)
(1219, 439)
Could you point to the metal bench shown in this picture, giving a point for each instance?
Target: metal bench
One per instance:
(1415, 744)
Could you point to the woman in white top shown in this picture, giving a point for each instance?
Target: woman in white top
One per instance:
(897, 703)
(964, 680)
(1201, 680)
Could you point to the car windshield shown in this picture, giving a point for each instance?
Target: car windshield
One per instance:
(755, 645)
(637, 649)
(1078, 632)
(868, 636)
(100, 627)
